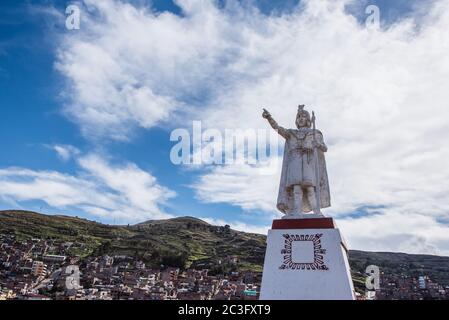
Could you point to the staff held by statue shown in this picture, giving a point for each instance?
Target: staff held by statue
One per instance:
(317, 167)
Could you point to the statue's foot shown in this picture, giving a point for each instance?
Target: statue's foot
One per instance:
(315, 215)
(304, 215)
(291, 216)
(295, 216)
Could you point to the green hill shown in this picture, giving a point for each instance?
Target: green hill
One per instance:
(175, 242)
(185, 241)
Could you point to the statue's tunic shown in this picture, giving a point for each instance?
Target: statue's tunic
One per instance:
(299, 168)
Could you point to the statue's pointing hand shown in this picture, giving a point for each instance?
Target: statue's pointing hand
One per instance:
(266, 114)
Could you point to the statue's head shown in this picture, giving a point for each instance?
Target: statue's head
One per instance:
(303, 118)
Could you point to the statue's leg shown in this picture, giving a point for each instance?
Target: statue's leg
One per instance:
(312, 200)
(297, 198)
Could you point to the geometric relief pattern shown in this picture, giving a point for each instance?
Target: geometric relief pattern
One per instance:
(317, 264)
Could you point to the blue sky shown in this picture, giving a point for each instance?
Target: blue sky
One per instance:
(44, 105)
(32, 120)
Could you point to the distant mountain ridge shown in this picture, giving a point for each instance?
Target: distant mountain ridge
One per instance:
(186, 241)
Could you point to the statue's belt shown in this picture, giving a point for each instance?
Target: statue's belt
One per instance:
(300, 150)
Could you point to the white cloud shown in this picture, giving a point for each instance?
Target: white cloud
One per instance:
(133, 67)
(411, 233)
(135, 186)
(123, 193)
(380, 96)
(241, 185)
(65, 152)
(238, 225)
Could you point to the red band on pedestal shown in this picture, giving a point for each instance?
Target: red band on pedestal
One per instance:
(313, 223)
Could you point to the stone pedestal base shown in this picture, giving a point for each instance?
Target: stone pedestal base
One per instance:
(306, 259)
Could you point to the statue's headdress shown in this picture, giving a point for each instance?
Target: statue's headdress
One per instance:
(302, 112)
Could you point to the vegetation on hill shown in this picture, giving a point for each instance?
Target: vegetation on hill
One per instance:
(175, 242)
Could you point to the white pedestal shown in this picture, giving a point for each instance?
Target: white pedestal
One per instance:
(306, 264)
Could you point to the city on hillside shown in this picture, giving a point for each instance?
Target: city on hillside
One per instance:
(43, 269)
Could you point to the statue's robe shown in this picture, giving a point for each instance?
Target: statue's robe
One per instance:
(299, 168)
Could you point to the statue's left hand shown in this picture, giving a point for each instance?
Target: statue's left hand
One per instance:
(318, 145)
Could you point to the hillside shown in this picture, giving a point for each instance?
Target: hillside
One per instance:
(185, 241)
(176, 242)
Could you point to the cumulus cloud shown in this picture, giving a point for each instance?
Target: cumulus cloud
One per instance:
(242, 185)
(380, 96)
(135, 186)
(123, 193)
(411, 233)
(133, 67)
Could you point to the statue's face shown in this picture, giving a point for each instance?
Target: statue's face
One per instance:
(302, 120)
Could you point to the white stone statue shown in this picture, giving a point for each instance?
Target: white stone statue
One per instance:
(304, 185)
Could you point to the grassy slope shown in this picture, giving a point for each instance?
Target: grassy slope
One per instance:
(151, 241)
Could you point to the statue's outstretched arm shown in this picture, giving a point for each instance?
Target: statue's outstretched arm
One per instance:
(281, 130)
